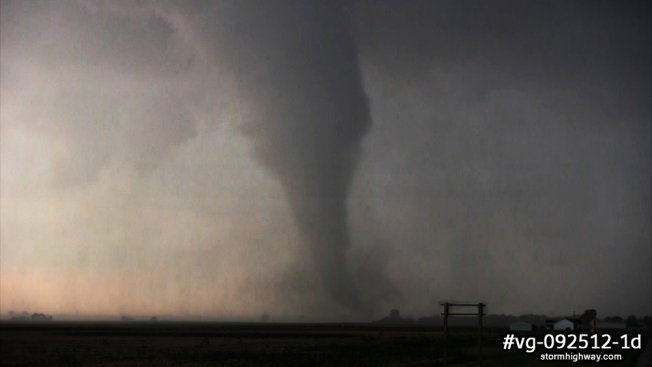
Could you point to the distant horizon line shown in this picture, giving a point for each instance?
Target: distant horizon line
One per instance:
(273, 319)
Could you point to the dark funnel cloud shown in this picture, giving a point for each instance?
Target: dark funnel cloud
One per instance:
(298, 62)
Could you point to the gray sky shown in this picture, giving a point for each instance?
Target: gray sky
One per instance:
(161, 158)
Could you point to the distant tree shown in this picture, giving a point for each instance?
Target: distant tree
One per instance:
(613, 319)
(647, 321)
(15, 316)
(40, 317)
(631, 321)
(394, 314)
(588, 316)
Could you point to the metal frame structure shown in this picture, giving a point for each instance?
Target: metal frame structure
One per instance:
(447, 312)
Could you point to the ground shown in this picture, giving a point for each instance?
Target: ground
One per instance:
(159, 343)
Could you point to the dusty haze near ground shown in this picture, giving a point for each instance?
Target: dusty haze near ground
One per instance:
(507, 158)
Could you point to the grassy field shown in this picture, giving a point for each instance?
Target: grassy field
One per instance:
(264, 344)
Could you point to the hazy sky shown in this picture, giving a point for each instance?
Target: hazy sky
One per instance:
(229, 159)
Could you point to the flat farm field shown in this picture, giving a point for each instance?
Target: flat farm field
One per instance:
(162, 343)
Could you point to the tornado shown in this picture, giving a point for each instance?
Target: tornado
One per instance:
(299, 64)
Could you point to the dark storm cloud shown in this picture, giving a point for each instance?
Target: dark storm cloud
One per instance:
(518, 135)
(508, 160)
(106, 89)
(596, 48)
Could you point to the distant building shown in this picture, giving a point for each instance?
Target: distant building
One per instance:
(567, 323)
(577, 321)
(520, 326)
(563, 324)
